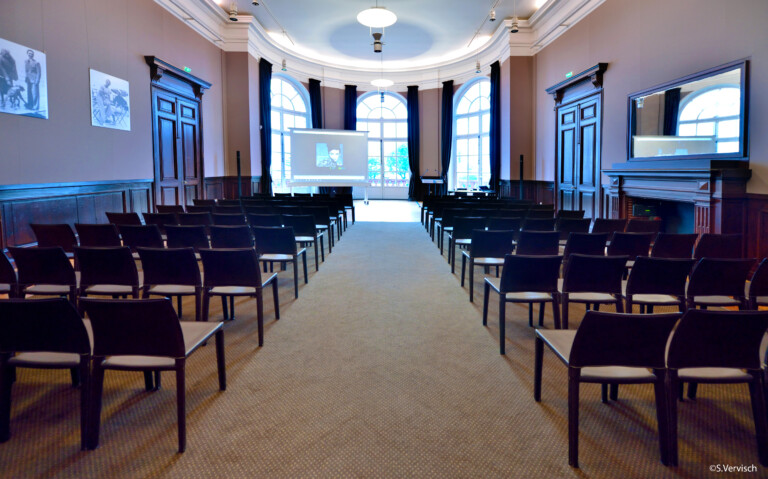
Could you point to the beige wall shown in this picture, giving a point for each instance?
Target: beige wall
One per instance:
(430, 107)
(254, 120)
(237, 113)
(111, 36)
(647, 43)
(333, 108)
(517, 112)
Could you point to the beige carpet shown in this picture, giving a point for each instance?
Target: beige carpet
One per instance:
(381, 368)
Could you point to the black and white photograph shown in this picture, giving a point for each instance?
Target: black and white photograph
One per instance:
(23, 83)
(110, 102)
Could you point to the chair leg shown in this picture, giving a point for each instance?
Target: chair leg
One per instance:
(149, 383)
(97, 386)
(614, 392)
(662, 416)
(604, 393)
(692, 389)
(6, 384)
(565, 311)
(198, 304)
(463, 269)
(276, 298)
(471, 278)
(206, 304)
(322, 249)
(541, 313)
(672, 417)
(260, 315)
(538, 362)
(304, 263)
(85, 391)
(486, 293)
(573, 416)
(75, 375)
(556, 311)
(317, 259)
(232, 308)
(296, 277)
(530, 315)
(619, 305)
(181, 405)
(221, 363)
(225, 307)
(502, 323)
(757, 396)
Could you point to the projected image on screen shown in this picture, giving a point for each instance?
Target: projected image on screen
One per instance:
(329, 156)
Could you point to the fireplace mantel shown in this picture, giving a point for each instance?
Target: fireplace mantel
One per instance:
(716, 188)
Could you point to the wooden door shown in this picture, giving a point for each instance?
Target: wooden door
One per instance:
(177, 141)
(578, 156)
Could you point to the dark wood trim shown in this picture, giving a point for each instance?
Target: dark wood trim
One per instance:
(757, 225)
(83, 202)
(594, 74)
(159, 68)
(225, 187)
(533, 190)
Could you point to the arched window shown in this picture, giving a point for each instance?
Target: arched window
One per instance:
(290, 109)
(385, 118)
(715, 113)
(471, 157)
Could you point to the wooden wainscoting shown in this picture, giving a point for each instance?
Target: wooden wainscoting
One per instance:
(757, 225)
(534, 190)
(82, 202)
(225, 187)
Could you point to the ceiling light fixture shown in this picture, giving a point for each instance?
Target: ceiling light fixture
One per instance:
(382, 83)
(377, 44)
(284, 68)
(377, 17)
(514, 27)
(233, 11)
(493, 16)
(255, 3)
(477, 67)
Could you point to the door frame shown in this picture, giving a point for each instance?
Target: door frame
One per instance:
(169, 79)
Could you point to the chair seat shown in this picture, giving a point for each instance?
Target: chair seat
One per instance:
(559, 341)
(726, 375)
(659, 299)
(591, 297)
(482, 261)
(172, 289)
(45, 360)
(527, 296)
(463, 241)
(5, 287)
(233, 290)
(109, 289)
(276, 257)
(195, 334)
(716, 300)
(762, 300)
(306, 239)
(48, 289)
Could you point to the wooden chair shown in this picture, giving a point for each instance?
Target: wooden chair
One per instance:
(719, 347)
(53, 235)
(145, 335)
(538, 224)
(718, 282)
(228, 203)
(269, 219)
(236, 272)
(566, 225)
(107, 271)
(592, 280)
(305, 229)
(657, 282)
(610, 226)
(146, 236)
(445, 224)
(199, 209)
(461, 236)
(98, 235)
(643, 225)
(540, 214)
(171, 272)
(130, 218)
(192, 236)
(758, 286)
(231, 237)
(631, 245)
(173, 209)
(672, 245)
(524, 279)
(195, 219)
(161, 219)
(504, 223)
(45, 272)
(323, 222)
(584, 243)
(42, 334)
(488, 248)
(203, 202)
(228, 215)
(9, 282)
(279, 245)
(718, 246)
(575, 214)
(615, 349)
(538, 243)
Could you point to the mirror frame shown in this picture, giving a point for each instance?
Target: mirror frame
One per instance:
(741, 155)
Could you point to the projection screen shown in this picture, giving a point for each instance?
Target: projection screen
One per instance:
(322, 157)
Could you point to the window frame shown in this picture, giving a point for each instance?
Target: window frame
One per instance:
(381, 138)
(715, 119)
(455, 137)
(281, 187)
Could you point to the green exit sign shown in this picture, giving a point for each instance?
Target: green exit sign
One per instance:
(569, 75)
(187, 69)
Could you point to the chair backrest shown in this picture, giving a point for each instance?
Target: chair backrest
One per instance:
(229, 219)
(449, 214)
(585, 243)
(726, 339)
(43, 266)
(547, 207)
(130, 218)
(228, 203)
(616, 339)
(49, 325)
(202, 202)
(303, 225)
(98, 235)
(134, 327)
(758, 285)
(630, 244)
(594, 274)
(718, 246)
(231, 237)
(199, 208)
(491, 243)
(464, 225)
(161, 219)
(106, 266)
(228, 210)
(505, 223)
(55, 235)
(169, 266)
(194, 236)
(576, 214)
(673, 245)
(519, 212)
(259, 210)
(148, 236)
(538, 224)
(536, 274)
(274, 240)
(230, 267)
(265, 219)
(566, 226)
(545, 243)
(719, 277)
(540, 214)
(607, 225)
(7, 273)
(322, 214)
(659, 276)
(285, 209)
(642, 225)
(169, 208)
(194, 219)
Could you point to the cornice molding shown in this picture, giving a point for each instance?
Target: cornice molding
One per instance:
(247, 35)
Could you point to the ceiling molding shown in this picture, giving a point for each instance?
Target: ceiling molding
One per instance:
(247, 35)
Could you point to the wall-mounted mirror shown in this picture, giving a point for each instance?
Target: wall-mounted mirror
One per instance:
(703, 115)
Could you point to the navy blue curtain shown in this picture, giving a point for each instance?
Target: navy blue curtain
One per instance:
(446, 130)
(265, 117)
(414, 187)
(350, 107)
(495, 133)
(671, 111)
(316, 103)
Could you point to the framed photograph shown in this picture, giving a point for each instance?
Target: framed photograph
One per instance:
(110, 102)
(23, 83)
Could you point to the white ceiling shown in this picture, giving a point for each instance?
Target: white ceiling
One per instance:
(427, 31)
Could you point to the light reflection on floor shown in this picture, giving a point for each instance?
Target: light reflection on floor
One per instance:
(392, 211)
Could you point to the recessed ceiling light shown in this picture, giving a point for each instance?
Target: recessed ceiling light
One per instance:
(377, 17)
(382, 83)
(539, 3)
